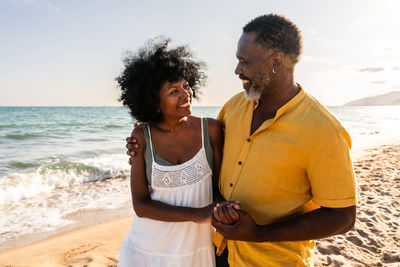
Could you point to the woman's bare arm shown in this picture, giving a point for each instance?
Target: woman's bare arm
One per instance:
(143, 205)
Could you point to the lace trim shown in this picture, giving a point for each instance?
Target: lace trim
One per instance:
(188, 173)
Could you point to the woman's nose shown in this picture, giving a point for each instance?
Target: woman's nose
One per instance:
(184, 92)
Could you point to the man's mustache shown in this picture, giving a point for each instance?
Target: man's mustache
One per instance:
(242, 77)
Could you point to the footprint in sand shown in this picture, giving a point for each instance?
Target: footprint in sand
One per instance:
(329, 250)
(386, 209)
(384, 218)
(364, 187)
(363, 219)
(391, 258)
(370, 212)
(374, 243)
(362, 233)
(374, 230)
(355, 240)
(368, 224)
(358, 242)
(67, 257)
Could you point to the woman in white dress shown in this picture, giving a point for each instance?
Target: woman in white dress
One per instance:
(174, 175)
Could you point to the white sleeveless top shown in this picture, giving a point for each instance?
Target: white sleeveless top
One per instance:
(155, 243)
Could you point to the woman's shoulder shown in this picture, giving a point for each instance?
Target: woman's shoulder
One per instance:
(214, 125)
(138, 133)
(215, 130)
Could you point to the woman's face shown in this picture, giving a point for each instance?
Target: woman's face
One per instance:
(175, 99)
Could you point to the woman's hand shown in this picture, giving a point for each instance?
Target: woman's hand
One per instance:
(226, 212)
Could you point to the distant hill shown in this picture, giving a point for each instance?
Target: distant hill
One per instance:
(389, 99)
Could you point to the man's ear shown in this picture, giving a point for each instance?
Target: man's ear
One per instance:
(277, 60)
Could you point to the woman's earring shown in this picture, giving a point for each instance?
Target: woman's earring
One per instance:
(273, 70)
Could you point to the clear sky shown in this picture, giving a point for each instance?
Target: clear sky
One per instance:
(67, 53)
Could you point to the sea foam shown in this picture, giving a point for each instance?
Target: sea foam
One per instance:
(60, 173)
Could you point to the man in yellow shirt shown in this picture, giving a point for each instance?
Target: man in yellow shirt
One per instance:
(286, 157)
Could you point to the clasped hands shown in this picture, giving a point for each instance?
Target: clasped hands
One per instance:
(233, 223)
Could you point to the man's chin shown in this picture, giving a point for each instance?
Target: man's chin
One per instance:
(252, 94)
(246, 86)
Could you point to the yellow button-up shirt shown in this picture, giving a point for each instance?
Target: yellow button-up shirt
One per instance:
(290, 165)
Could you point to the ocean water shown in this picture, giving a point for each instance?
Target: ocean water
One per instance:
(57, 161)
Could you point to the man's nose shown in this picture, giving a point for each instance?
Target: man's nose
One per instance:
(238, 69)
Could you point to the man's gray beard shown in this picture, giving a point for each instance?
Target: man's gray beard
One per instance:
(254, 93)
(256, 90)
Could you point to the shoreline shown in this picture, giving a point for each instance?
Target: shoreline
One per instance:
(358, 152)
(80, 219)
(95, 244)
(98, 234)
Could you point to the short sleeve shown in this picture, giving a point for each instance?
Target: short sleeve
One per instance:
(331, 175)
(221, 115)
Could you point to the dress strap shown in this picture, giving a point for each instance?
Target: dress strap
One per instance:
(202, 132)
(150, 142)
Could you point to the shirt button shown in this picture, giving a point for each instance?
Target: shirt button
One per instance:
(248, 140)
(230, 184)
(240, 163)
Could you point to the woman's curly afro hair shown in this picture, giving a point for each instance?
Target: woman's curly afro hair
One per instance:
(148, 68)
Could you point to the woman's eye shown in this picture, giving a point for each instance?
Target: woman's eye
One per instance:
(173, 92)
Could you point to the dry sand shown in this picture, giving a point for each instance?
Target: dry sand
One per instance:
(374, 241)
(375, 238)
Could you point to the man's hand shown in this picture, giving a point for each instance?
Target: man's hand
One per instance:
(131, 145)
(244, 229)
(317, 224)
(225, 212)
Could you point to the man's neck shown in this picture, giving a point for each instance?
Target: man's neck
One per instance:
(277, 97)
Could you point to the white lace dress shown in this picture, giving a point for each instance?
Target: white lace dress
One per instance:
(152, 243)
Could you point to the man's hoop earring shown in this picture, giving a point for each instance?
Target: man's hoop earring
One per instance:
(273, 71)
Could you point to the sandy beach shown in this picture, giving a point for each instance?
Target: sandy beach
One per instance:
(96, 245)
(375, 238)
(374, 241)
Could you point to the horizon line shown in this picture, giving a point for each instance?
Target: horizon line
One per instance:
(44, 106)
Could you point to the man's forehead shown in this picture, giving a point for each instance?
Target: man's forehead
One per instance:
(247, 44)
(247, 38)
(249, 35)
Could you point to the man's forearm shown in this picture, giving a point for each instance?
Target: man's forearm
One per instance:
(320, 223)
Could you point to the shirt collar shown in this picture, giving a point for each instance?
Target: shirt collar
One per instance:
(292, 102)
